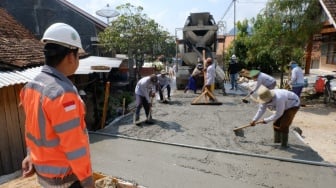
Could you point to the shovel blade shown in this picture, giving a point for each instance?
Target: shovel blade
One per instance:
(239, 132)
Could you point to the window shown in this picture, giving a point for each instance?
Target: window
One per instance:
(328, 49)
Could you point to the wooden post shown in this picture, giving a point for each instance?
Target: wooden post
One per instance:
(206, 94)
(204, 66)
(107, 94)
(124, 103)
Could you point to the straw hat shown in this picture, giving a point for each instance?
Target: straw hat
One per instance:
(265, 95)
(163, 72)
(253, 73)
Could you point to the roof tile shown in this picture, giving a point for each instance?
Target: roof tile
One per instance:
(331, 6)
(18, 47)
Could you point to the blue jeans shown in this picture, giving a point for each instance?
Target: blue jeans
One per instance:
(233, 80)
(297, 90)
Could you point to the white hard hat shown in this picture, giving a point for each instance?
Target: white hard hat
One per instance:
(233, 57)
(62, 34)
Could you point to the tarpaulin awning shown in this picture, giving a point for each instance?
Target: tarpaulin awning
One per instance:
(93, 64)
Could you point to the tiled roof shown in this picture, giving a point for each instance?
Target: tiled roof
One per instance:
(18, 47)
(329, 7)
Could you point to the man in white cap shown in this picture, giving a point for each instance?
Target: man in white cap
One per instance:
(233, 70)
(285, 104)
(164, 83)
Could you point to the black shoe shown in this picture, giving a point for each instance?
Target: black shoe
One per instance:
(231, 88)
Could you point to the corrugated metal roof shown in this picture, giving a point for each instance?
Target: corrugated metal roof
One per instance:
(8, 78)
(108, 62)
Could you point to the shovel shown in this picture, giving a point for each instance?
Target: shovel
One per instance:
(244, 100)
(240, 132)
(149, 117)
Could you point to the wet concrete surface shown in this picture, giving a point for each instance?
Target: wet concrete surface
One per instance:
(180, 148)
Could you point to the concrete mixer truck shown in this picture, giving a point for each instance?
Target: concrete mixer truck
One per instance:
(199, 33)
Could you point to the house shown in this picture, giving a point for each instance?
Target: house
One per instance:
(21, 59)
(20, 55)
(324, 46)
(37, 16)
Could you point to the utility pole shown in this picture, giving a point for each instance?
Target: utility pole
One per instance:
(234, 20)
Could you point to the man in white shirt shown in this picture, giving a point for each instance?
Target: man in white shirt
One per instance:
(262, 79)
(164, 83)
(210, 75)
(285, 104)
(297, 78)
(144, 89)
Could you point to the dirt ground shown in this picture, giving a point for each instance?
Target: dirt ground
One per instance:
(318, 122)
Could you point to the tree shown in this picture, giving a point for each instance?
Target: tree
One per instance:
(284, 29)
(134, 33)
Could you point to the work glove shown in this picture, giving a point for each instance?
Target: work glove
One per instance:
(253, 123)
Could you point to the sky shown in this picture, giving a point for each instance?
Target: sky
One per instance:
(172, 14)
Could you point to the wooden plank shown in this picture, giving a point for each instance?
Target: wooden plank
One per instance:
(21, 116)
(15, 140)
(5, 158)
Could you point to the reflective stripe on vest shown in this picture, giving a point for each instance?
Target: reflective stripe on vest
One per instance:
(76, 154)
(46, 169)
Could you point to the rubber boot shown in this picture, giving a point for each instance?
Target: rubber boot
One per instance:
(136, 118)
(284, 140)
(277, 137)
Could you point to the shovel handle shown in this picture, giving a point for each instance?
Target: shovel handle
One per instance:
(248, 95)
(242, 127)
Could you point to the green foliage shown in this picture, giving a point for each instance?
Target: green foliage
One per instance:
(128, 98)
(280, 33)
(284, 29)
(134, 33)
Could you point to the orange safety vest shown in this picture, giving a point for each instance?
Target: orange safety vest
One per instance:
(56, 134)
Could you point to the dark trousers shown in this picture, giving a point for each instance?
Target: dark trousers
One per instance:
(297, 90)
(76, 184)
(161, 92)
(282, 124)
(141, 102)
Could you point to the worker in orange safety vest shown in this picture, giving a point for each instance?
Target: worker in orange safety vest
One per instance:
(56, 135)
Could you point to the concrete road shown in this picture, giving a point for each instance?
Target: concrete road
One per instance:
(158, 165)
(194, 146)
